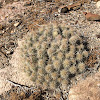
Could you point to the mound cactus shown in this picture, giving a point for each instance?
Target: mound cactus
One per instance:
(52, 54)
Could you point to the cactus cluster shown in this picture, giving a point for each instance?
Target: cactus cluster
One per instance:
(52, 55)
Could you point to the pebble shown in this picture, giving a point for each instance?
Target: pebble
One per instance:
(28, 3)
(74, 6)
(99, 69)
(63, 9)
(98, 4)
(17, 24)
(98, 36)
(9, 52)
(92, 17)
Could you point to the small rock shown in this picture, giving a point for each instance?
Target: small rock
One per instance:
(92, 17)
(99, 69)
(0, 4)
(2, 26)
(9, 52)
(86, 89)
(17, 24)
(74, 6)
(28, 3)
(1, 65)
(98, 35)
(63, 9)
(98, 4)
(10, 21)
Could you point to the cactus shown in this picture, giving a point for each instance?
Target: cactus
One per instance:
(64, 84)
(57, 64)
(49, 68)
(54, 75)
(73, 69)
(47, 78)
(66, 63)
(64, 73)
(45, 85)
(52, 54)
(81, 67)
(53, 85)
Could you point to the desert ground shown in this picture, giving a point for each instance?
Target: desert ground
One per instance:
(18, 17)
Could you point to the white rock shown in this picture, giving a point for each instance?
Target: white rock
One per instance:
(16, 24)
(88, 89)
(98, 4)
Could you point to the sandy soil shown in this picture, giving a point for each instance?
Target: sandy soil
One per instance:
(33, 18)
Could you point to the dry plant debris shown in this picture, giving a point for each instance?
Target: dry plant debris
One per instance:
(92, 59)
(19, 93)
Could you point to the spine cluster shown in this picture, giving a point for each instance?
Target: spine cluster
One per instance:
(52, 55)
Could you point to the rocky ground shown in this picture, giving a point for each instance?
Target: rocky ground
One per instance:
(17, 17)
